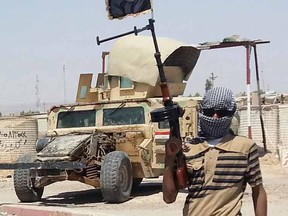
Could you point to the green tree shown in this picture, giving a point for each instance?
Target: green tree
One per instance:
(208, 84)
(197, 94)
(25, 113)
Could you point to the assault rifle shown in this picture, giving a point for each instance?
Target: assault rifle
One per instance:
(171, 110)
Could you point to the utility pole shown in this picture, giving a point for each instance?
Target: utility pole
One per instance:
(212, 78)
(44, 107)
(64, 83)
(263, 82)
(37, 93)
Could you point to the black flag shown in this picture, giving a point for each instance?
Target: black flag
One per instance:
(118, 9)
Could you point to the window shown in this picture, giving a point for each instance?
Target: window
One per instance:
(83, 92)
(71, 119)
(125, 83)
(123, 116)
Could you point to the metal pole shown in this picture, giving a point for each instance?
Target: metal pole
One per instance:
(259, 99)
(248, 81)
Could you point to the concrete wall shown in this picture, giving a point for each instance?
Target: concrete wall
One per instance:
(275, 118)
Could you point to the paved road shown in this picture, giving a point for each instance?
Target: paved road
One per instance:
(81, 198)
(75, 199)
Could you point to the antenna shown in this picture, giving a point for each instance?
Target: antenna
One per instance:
(44, 106)
(64, 83)
(37, 93)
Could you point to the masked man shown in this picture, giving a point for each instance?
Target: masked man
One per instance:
(219, 163)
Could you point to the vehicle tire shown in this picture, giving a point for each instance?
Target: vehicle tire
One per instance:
(24, 184)
(116, 177)
(136, 183)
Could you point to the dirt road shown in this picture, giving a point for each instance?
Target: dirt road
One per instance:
(147, 199)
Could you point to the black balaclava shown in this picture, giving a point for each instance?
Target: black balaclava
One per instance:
(217, 98)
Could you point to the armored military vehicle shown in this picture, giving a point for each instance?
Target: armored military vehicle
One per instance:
(107, 139)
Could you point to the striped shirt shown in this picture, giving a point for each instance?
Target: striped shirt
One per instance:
(218, 175)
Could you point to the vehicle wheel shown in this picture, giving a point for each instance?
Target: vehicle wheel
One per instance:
(136, 182)
(24, 183)
(116, 177)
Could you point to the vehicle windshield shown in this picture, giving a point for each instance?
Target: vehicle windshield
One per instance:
(71, 119)
(123, 116)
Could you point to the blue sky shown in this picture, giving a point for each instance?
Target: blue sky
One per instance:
(38, 37)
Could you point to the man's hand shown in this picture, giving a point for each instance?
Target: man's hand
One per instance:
(170, 190)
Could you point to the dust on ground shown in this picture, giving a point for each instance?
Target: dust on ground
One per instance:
(147, 199)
